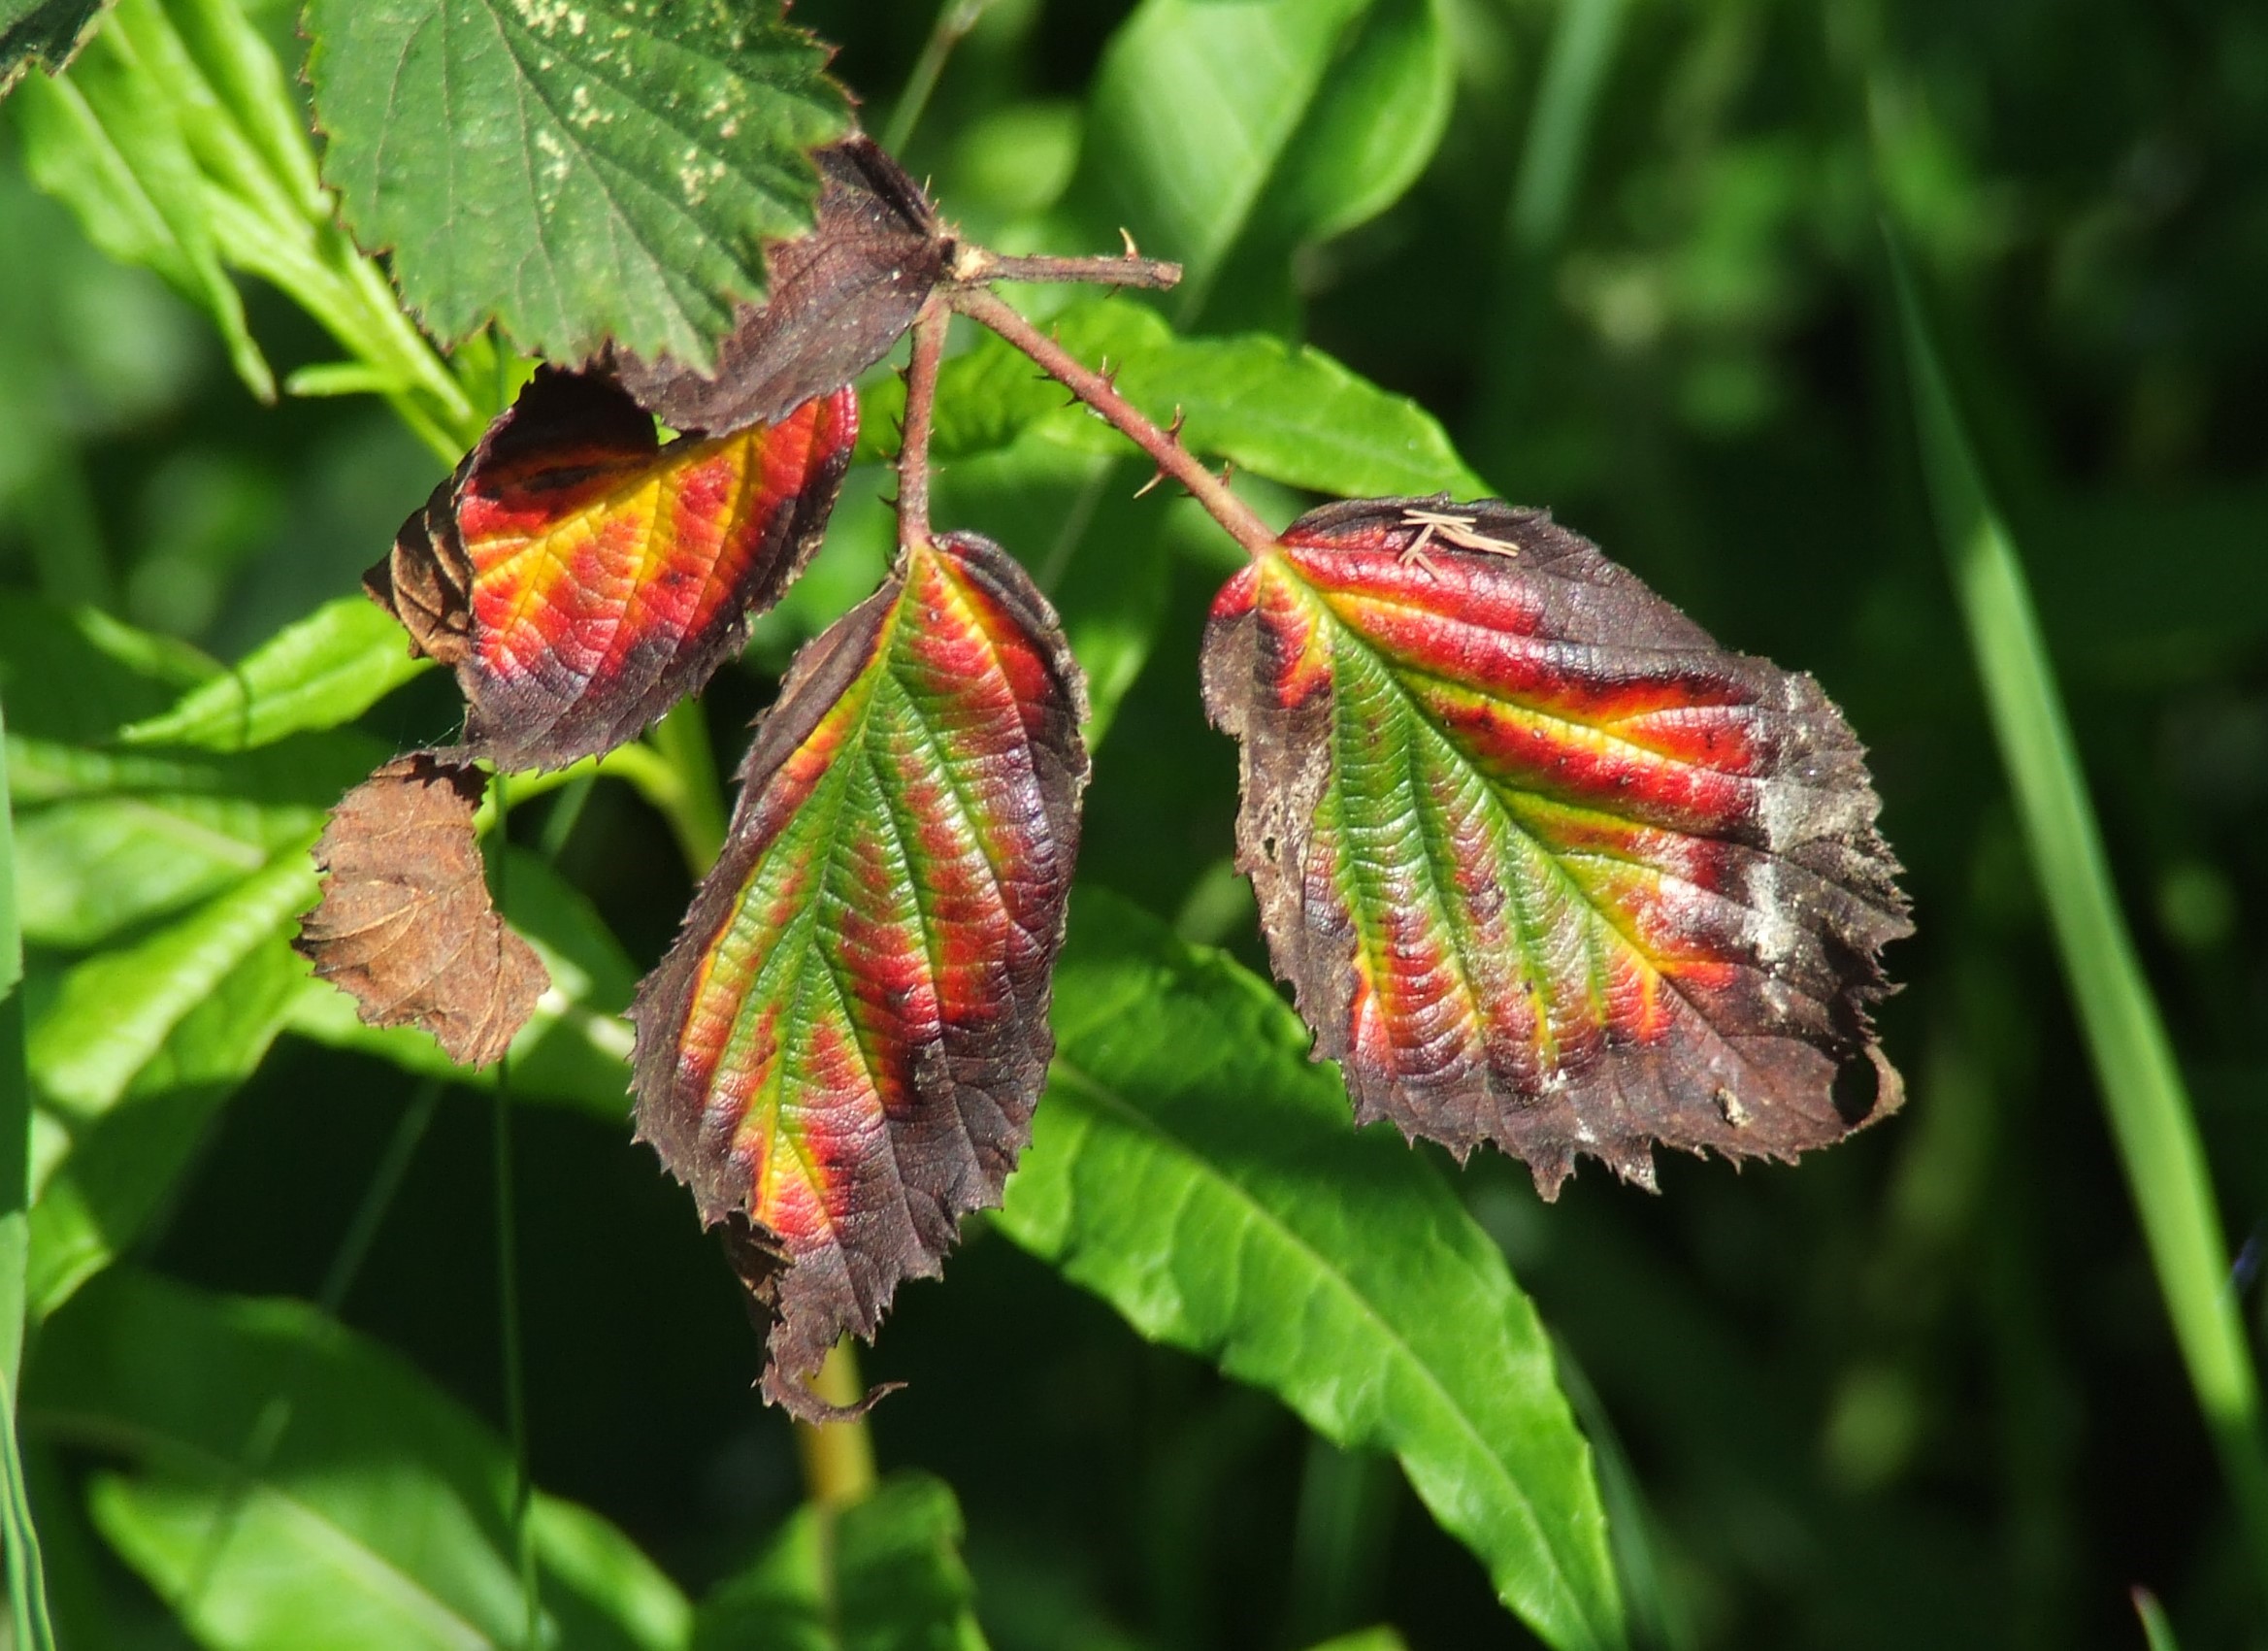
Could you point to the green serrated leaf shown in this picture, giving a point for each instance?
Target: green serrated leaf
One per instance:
(381, 1513)
(1190, 1167)
(577, 169)
(327, 669)
(884, 1575)
(1284, 411)
(45, 32)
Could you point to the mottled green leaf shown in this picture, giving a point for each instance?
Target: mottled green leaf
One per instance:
(577, 170)
(379, 1521)
(884, 1574)
(1192, 1168)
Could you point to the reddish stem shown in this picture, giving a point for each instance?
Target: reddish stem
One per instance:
(1094, 389)
(913, 445)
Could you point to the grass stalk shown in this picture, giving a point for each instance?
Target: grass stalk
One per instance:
(27, 1589)
(2133, 1058)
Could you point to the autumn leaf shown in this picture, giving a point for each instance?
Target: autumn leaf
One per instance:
(582, 578)
(841, 1056)
(1544, 865)
(840, 298)
(405, 924)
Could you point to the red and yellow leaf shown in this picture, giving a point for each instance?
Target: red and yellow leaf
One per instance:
(1545, 866)
(581, 578)
(841, 1056)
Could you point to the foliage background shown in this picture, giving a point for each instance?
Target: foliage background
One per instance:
(1920, 1391)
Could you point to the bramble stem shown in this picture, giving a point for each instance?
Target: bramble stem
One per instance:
(974, 266)
(838, 1457)
(921, 403)
(1165, 447)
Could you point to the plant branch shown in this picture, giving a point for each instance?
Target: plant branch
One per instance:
(921, 403)
(1095, 390)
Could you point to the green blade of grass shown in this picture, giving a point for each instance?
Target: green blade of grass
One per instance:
(2133, 1058)
(2157, 1631)
(27, 1589)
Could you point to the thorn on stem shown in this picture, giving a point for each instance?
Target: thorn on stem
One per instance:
(1125, 235)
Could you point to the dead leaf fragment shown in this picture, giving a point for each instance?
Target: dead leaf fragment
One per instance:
(405, 924)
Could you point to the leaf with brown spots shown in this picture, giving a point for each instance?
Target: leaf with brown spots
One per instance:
(407, 925)
(1545, 865)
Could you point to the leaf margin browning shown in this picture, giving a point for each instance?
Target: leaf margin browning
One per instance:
(963, 1067)
(1815, 811)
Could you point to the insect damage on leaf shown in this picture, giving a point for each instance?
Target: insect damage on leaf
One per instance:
(1545, 866)
(840, 298)
(841, 1056)
(405, 924)
(582, 578)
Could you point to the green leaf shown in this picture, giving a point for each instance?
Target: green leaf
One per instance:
(1367, 135)
(2156, 1630)
(1190, 1167)
(45, 32)
(135, 1055)
(1286, 413)
(95, 866)
(884, 1574)
(577, 170)
(1366, 1639)
(327, 669)
(73, 675)
(113, 141)
(27, 1594)
(1193, 110)
(2132, 1053)
(379, 1519)
(575, 1050)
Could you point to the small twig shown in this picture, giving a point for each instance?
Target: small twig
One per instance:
(921, 401)
(976, 265)
(1165, 447)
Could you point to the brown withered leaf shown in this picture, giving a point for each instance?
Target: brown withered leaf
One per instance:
(1545, 865)
(840, 297)
(405, 924)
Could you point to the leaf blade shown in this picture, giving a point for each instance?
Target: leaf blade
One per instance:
(841, 1054)
(1545, 866)
(1182, 1124)
(626, 162)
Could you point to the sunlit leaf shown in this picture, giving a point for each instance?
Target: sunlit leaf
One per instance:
(407, 925)
(580, 172)
(582, 578)
(1286, 413)
(1545, 866)
(135, 1054)
(379, 1521)
(1192, 1169)
(842, 1054)
(327, 669)
(884, 1574)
